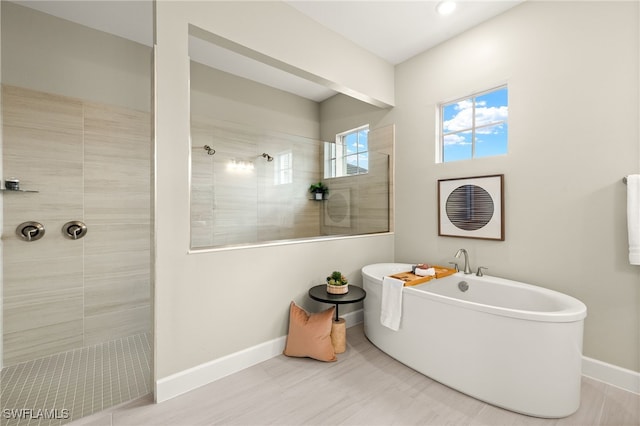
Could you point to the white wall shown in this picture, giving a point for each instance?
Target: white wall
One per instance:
(572, 70)
(226, 97)
(208, 305)
(296, 41)
(80, 62)
(340, 113)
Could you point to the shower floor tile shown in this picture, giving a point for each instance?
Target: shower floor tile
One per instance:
(66, 386)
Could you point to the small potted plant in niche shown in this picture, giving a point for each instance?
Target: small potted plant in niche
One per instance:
(337, 283)
(318, 189)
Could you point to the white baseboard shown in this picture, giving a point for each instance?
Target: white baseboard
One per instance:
(187, 380)
(200, 375)
(610, 374)
(353, 318)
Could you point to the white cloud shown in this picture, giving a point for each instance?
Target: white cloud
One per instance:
(484, 115)
(462, 120)
(456, 139)
(490, 130)
(464, 104)
(490, 115)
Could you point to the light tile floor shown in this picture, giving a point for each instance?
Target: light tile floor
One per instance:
(60, 388)
(364, 387)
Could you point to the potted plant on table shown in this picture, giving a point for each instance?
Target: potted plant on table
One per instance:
(337, 283)
(318, 189)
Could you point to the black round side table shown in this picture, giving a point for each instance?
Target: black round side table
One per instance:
(319, 293)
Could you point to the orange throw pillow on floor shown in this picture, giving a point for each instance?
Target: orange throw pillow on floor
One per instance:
(310, 334)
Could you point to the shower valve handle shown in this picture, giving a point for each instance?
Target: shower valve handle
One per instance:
(74, 230)
(30, 231)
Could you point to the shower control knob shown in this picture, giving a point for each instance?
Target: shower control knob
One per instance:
(30, 231)
(74, 230)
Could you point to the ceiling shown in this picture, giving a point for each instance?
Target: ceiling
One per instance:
(392, 30)
(398, 30)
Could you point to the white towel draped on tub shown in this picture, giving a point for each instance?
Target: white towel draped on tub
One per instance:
(391, 309)
(633, 218)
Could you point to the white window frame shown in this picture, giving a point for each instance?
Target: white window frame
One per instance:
(283, 173)
(440, 117)
(335, 153)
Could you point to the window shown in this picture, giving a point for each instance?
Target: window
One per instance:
(284, 168)
(474, 127)
(349, 155)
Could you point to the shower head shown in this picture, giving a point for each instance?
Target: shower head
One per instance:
(267, 156)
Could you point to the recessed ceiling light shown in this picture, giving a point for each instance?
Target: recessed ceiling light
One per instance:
(445, 7)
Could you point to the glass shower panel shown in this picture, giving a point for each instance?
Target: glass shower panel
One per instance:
(223, 184)
(253, 189)
(284, 212)
(251, 186)
(359, 204)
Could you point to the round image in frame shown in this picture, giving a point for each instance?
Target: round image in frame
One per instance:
(469, 207)
(338, 207)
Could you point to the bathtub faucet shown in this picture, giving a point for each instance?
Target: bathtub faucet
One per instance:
(467, 267)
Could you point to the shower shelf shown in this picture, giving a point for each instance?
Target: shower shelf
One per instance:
(17, 190)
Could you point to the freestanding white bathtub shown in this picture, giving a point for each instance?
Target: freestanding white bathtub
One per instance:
(510, 344)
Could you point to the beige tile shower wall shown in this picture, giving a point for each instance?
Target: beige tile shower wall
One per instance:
(223, 205)
(284, 209)
(117, 208)
(368, 195)
(242, 207)
(202, 169)
(91, 163)
(375, 209)
(43, 281)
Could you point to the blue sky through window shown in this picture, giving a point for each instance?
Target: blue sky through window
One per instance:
(351, 142)
(476, 126)
(349, 155)
(357, 145)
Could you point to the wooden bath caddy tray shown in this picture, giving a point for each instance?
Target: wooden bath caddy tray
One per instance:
(410, 278)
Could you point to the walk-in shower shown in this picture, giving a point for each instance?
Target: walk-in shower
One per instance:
(76, 240)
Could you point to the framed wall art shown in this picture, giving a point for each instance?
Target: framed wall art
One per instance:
(471, 207)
